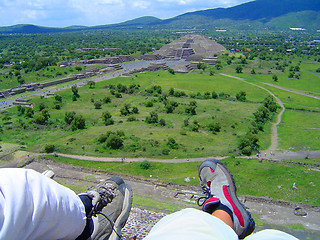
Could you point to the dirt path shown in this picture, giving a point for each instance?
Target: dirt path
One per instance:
(271, 212)
(274, 128)
(292, 91)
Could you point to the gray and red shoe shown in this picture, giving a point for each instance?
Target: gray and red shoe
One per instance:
(218, 183)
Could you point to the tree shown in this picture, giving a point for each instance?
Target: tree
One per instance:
(107, 118)
(42, 117)
(74, 90)
(239, 69)
(135, 110)
(29, 113)
(69, 116)
(125, 110)
(171, 90)
(253, 71)
(241, 96)
(58, 98)
(78, 68)
(214, 127)
(97, 105)
(107, 100)
(49, 148)
(249, 143)
(91, 84)
(214, 95)
(162, 122)
(114, 141)
(171, 143)
(78, 122)
(275, 78)
(170, 70)
(152, 118)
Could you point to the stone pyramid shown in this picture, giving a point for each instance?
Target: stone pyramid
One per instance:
(191, 46)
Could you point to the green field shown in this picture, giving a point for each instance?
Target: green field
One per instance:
(254, 178)
(233, 117)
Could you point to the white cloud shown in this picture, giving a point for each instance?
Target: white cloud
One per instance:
(97, 12)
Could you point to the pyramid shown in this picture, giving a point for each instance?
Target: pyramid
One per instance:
(191, 46)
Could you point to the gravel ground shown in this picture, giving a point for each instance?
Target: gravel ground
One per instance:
(140, 223)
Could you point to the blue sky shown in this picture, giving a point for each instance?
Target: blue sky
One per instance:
(61, 13)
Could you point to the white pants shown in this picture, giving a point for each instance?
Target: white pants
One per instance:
(190, 224)
(33, 206)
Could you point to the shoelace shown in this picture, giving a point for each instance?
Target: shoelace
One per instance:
(112, 224)
(207, 195)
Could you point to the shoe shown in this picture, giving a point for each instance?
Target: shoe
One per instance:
(216, 179)
(111, 211)
(48, 173)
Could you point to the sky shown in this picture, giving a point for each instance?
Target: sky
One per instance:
(62, 13)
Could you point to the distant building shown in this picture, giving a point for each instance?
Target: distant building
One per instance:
(297, 29)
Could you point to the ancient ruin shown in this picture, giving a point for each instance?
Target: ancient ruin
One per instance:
(190, 47)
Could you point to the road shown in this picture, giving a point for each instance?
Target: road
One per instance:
(127, 67)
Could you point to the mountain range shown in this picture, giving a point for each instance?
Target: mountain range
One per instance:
(255, 15)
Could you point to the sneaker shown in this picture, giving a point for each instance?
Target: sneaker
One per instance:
(216, 177)
(112, 210)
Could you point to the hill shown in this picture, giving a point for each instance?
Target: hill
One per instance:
(259, 14)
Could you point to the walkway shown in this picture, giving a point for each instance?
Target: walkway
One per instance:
(274, 128)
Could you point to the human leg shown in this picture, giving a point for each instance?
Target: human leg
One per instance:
(218, 183)
(111, 212)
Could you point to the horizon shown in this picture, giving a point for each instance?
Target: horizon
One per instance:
(98, 12)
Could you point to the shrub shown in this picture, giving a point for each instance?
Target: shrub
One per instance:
(241, 96)
(114, 141)
(78, 122)
(97, 105)
(162, 122)
(68, 117)
(214, 95)
(145, 165)
(166, 151)
(107, 100)
(135, 110)
(152, 118)
(149, 104)
(171, 143)
(49, 148)
(214, 127)
(171, 71)
(131, 119)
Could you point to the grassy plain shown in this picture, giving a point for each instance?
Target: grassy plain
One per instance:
(233, 117)
(263, 179)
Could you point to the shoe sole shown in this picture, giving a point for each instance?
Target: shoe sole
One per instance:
(249, 223)
(126, 190)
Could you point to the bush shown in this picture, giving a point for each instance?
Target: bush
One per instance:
(97, 105)
(171, 143)
(214, 95)
(49, 148)
(78, 122)
(241, 96)
(69, 116)
(166, 151)
(149, 104)
(114, 141)
(107, 100)
(162, 122)
(214, 127)
(107, 118)
(170, 70)
(145, 165)
(131, 119)
(152, 118)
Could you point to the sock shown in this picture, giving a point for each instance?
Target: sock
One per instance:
(226, 209)
(88, 230)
